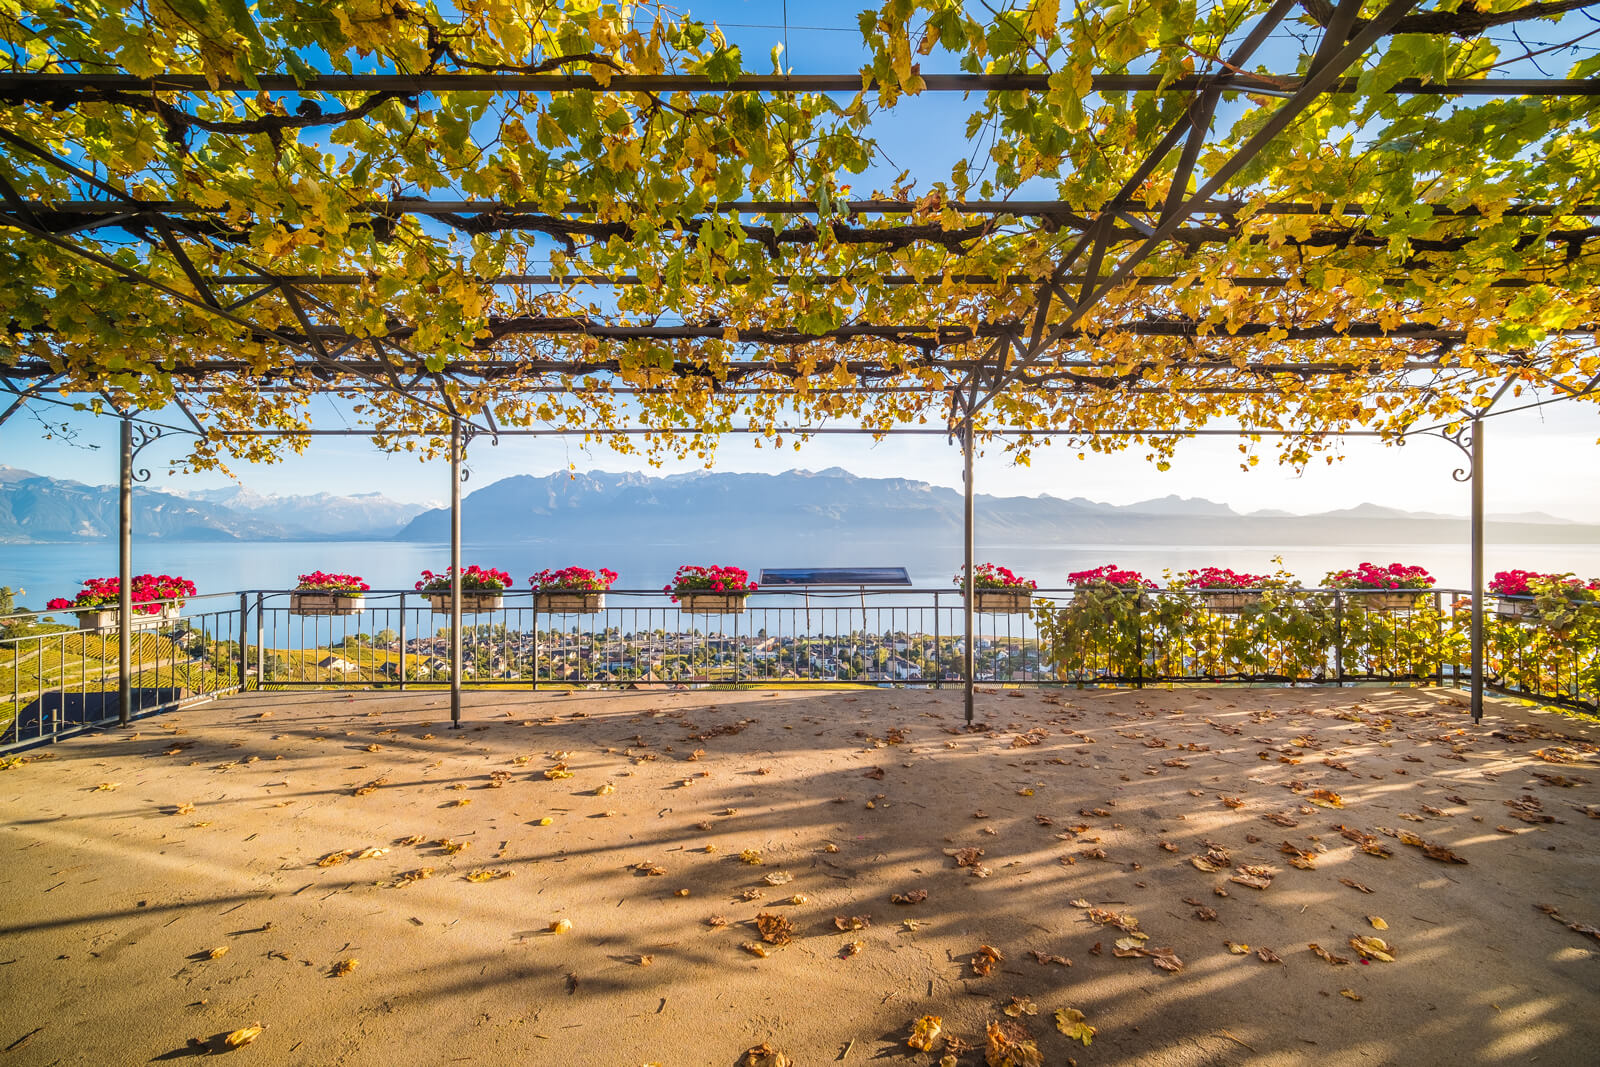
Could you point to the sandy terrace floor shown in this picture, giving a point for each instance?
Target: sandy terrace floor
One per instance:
(164, 885)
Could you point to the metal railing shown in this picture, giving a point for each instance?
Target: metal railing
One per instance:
(54, 682)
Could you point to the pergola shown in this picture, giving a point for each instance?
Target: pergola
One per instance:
(1299, 219)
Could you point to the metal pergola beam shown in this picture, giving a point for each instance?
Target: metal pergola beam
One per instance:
(61, 88)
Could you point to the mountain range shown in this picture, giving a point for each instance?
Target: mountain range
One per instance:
(36, 509)
(796, 507)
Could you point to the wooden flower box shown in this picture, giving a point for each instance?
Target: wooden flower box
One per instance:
(316, 602)
(569, 601)
(106, 618)
(1389, 600)
(1525, 610)
(703, 603)
(1228, 603)
(1002, 601)
(473, 601)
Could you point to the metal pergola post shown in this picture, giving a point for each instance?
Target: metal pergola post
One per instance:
(967, 656)
(455, 575)
(125, 577)
(1477, 570)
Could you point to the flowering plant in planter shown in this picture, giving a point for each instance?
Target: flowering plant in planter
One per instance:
(324, 582)
(1224, 589)
(712, 590)
(473, 579)
(321, 593)
(574, 579)
(1111, 574)
(1548, 598)
(1531, 583)
(480, 589)
(993, 576)
(571, 590)
(691, 579)
(1373, 576)
(996, 590)
(1221, 578)
(147, 592)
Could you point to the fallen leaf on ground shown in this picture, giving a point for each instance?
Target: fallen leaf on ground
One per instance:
(1326, 955)
(1299, 857)
(1266, 955)
(487, 874)
(965, 857)
(372, 853)
(983, 963)
(1010, 1046)
(1372, 948)
(1020, 1006)
(1074, 1024)
(1326, 798)
(1236, 948)
(1043, 958)
(751, 856)
(756, 948)
(852, 922)
(414, 839)
(1357, 886)
(764, 1055)
(911, 896)
(851, 949)
(559, 926)
(775, 929)
(1254, 881)
(1377, 923)
(333, 859)
(1350, 993)
(243, 1036)
(344, 967)
(217, 953)
(778, 878)
(924, 1032)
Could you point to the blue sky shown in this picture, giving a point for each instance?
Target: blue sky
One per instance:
(1545, 460)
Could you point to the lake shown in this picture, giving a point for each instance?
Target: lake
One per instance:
(47, 571)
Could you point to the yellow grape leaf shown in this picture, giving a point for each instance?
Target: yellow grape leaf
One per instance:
(243, 1036)
(1071, 1021)
(1020, 1006)
(545, 821)
(924, 1032)
(1377, 923)
(1373, 948)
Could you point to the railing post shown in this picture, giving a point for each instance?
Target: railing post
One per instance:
(968, 657)
(455, 574)
(1477, 570)
(125, 578)
(261, 655)
(1338, 637)
(938, 661)
(244, 644)
(402, 641)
